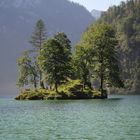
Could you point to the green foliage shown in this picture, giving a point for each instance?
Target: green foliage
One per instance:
(81, 62)
(62, 38)
(105, 55)
(125, 19)
(70, 85)
(72, 89)
(37, 40)
(27, 71)
(50, 61)
(55, 60)
(99, 56)
(39, 35)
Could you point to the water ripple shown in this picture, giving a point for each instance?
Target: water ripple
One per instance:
(117, 118)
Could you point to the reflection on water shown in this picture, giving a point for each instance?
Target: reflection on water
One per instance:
(115, 99)
(117, 118)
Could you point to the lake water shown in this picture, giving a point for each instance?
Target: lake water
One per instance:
(117, 118)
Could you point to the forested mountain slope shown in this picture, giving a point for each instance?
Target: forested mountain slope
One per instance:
(125, 18)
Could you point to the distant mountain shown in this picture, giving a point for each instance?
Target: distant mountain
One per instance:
(96, 13)
(17, 21)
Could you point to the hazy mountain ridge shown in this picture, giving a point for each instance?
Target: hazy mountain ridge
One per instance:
(96, 13)
(17, 21)
(19, 3)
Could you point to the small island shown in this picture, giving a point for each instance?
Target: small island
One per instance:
(73, 89)
(52, 70)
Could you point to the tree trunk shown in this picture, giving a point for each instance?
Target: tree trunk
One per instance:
(42, 85)
(35, 84)
(41, 82)
(103, 92)
(83, 87)
(101, 87)
(102, 78)
(56, 87)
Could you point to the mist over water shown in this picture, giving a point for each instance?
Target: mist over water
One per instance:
(112, 119)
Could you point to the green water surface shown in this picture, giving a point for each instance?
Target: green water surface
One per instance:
(117, 118)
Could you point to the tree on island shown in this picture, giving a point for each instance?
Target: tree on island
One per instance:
(55, 59)
(38, 38)
(27, 71)
(71, 76)
(81, 60)
(101, 42)
(39, 35)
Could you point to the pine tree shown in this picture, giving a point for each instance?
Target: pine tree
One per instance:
(39, 35)
(37, 40)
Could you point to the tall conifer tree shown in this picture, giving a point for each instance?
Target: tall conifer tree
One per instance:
(38, 38)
